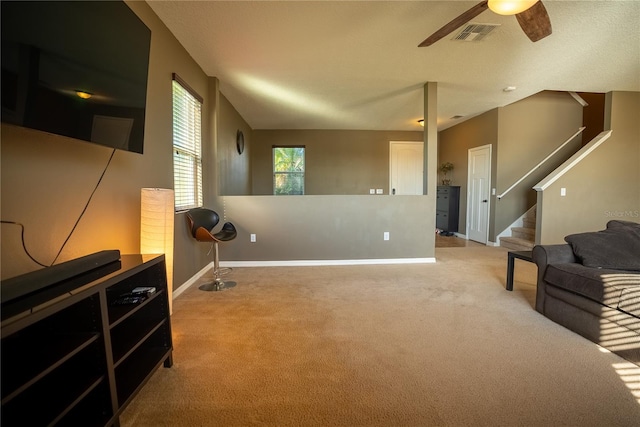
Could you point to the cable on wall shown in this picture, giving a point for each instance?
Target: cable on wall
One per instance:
(85, 206)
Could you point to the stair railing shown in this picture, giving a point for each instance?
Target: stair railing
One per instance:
(578, 132)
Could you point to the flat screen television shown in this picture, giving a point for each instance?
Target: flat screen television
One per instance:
(76, 68)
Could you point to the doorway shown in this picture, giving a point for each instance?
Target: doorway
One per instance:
(406, 167)
(478, 200)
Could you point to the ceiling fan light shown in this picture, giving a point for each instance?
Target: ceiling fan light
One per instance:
(510, 7)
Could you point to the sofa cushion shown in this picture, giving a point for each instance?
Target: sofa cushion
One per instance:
(617, 247)
(613, 288)
(617, 223)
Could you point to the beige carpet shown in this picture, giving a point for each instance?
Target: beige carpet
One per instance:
(391, 345)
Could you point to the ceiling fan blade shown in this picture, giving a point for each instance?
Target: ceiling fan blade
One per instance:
(535, 22)
(455, 23)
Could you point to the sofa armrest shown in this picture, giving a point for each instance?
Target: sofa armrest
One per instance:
(544, 255)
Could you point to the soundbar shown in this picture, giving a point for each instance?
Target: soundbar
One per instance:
(28, 290)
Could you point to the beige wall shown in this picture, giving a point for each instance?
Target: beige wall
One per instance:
(329, 227)
(603, 186)
(47, 180)
(235, 168)
(337, 161)
(521, 135)
(528, 131)
(453, 146)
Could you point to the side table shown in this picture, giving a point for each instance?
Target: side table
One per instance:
(511, 257)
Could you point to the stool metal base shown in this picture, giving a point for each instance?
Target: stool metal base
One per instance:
(217, 285)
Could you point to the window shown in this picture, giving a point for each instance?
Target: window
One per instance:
(288, 170)
(187, 146)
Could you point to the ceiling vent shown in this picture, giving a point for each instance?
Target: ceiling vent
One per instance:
(475, 32)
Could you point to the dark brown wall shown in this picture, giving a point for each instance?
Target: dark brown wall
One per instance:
(592, 115)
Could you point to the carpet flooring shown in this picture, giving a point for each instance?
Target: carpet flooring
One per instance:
(440, 344)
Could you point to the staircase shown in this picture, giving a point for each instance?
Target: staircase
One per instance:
(522, 238)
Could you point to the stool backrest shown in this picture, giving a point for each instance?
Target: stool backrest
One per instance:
(201, 217)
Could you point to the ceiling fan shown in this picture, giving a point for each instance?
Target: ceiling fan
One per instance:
(531, 15)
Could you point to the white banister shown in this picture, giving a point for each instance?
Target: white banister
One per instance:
(578, 132)
(573, 160)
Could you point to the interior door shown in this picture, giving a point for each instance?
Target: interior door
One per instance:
(478, 201)
(406, 167)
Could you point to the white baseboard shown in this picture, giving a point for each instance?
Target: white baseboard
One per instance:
(192, 280)
(326, 262)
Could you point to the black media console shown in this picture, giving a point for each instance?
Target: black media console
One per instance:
(72, 352)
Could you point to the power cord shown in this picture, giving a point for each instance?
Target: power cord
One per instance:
(23, 244)
(74, 226)
(85, 206)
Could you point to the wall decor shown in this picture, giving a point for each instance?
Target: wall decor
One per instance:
(240, 141)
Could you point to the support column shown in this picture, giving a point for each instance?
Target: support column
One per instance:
(430, 176)
(211, 181)
(430, 137)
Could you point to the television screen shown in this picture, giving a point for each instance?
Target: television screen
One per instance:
(76, 68)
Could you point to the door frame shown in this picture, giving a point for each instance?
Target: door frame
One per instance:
(469, 152)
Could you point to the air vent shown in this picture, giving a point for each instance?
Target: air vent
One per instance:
(475, 32)
(456, 117)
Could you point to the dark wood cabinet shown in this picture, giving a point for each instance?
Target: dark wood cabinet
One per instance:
(447, 208)
(79, 358)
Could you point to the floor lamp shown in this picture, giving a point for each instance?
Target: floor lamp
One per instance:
(156, 229)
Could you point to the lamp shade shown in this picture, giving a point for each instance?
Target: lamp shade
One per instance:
(510, 7)
(156, 228)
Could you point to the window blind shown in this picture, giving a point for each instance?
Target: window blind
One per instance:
(187, 147)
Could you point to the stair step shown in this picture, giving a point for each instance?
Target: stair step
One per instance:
(516, 243)
(531, 213)
(525, 233)
(529, 222)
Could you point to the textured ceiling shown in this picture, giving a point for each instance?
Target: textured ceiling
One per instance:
(356, 64)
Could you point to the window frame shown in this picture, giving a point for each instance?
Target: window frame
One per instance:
(275, 173)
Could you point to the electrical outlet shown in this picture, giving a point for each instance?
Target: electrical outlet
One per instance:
(378, 190)
(372, 191)
(253, 238)
(386, 235)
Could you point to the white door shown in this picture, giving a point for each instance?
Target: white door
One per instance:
(478, 185)
(406, 167)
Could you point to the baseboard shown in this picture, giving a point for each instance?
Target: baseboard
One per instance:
(326, 262)
(493, 244)
(192, 280)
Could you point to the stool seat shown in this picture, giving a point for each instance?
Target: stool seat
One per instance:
(227, 233)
